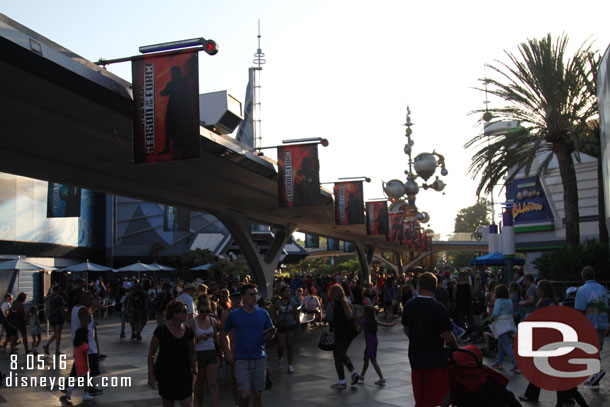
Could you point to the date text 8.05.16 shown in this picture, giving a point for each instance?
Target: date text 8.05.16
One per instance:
(38, 362)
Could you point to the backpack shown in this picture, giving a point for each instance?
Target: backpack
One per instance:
(138, 300)
(162, 300)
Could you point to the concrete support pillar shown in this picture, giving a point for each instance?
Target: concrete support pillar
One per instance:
(263, 268)
(365, 256)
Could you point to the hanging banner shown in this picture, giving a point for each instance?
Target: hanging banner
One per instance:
(63, 201)
(312, 241)
(396, 232)
(332, 245)
(166, 107)
(349, 203)
(176, 219)
(298, 175)
(377, 218)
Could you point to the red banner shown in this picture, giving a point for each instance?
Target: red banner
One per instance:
(298, 175)
(396, 233)
(377, 218)
(349, 203)
(166, 107)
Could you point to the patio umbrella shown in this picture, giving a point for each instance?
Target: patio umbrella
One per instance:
(203, 267)
(85, 266)
(137, 267)
(23, 265)
(160, 267)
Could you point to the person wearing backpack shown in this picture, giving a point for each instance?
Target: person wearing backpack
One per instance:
(137, 304)
(55, 308)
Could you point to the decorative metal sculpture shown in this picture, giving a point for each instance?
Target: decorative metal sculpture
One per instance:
(423, 166)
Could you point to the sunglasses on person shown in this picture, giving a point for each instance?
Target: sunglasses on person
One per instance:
(203, 310)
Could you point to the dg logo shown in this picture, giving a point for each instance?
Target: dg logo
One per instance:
(557, 348)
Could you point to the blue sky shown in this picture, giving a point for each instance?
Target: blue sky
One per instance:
(344, 70)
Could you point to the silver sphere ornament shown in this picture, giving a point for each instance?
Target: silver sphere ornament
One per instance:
(407, 149)
(411, 187)
(425, 165)
(394, 189)
(444, 172)
(423, 217)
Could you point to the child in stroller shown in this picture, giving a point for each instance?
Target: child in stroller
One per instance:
(473, 384)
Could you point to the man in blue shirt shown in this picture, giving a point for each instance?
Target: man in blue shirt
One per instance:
(592, 300)
(250, 325)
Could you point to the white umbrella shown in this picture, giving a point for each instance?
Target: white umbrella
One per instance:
(85, 266)
(23, 265)
(202, 267)
(137, 267)
(160, 267)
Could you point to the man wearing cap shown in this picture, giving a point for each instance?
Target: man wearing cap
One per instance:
(187, 298)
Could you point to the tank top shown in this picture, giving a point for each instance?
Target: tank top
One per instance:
(75, 324)
(207, 344)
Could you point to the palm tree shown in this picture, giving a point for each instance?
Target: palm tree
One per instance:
(548, 93)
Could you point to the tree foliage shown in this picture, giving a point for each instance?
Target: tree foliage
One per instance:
(549, 94)
(467, 219)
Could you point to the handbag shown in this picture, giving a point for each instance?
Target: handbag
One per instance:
(502, 325)
(327, 340)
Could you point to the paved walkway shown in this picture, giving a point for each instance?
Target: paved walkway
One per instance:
(307, 387)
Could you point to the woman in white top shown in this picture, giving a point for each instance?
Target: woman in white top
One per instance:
(204, 325)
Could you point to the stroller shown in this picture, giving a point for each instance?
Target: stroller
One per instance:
(473, 384)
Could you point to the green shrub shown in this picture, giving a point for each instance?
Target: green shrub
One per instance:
(565, 264)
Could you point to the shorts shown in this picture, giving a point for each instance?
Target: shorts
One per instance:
(57, 319)
(289, 328)
(430, 386)
(206, 358)
(250, 374)
(94, 366)
(35, 331)
(139, 317)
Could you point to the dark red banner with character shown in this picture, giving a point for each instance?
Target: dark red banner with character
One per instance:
(396, 232)
(298, 175)
(349, 203)
(409, 234)
(166, 107)
(377, 222)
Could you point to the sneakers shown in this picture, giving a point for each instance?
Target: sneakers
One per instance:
(87, 397)
(339, 386)
(95, 392)
(595, 379)
(122, 335)
(46, 349)
(290, 369)
(354, 378)
(280, 364)
(380, 382)
(515, 369)
(497, 366)
(65, 400)
(360, 379)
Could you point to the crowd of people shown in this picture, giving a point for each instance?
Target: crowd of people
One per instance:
(225, 322)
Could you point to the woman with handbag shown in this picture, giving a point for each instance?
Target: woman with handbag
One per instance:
(285, 316)
(340, 317)
(503, 326)
(204, 327)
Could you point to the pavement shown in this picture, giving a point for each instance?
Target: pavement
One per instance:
(309, 386)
